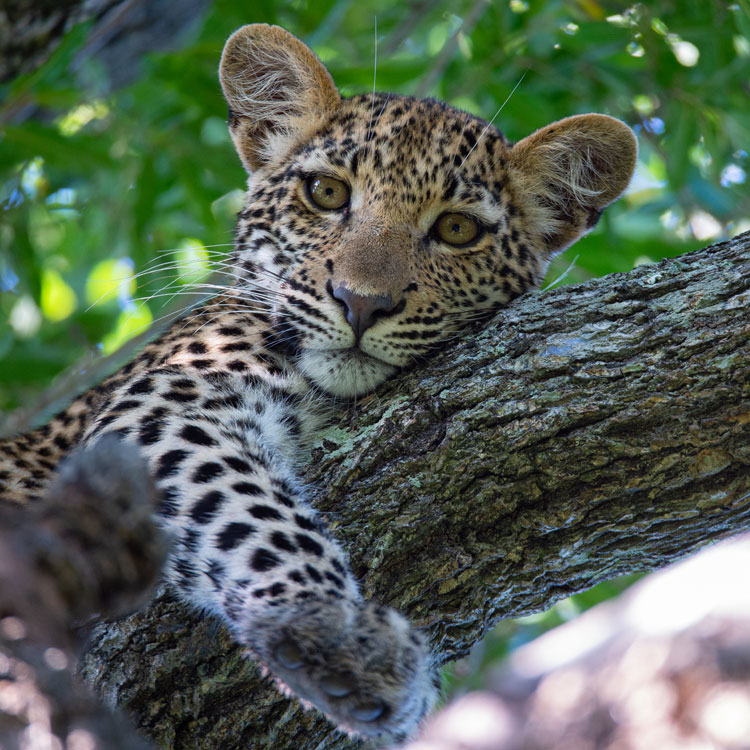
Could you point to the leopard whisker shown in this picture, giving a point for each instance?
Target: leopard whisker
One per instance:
(494, 117)
(382, 109)
(202, 247)
(374, 80)
(222, 314)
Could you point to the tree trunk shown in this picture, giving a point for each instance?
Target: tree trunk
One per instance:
(122, 32)
(587, 432)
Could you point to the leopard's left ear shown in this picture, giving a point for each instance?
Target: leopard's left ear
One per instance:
(569, 172)
(278, 92)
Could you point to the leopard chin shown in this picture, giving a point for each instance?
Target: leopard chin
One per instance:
(345, 373)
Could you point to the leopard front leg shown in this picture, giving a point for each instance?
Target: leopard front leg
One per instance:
(250, 548)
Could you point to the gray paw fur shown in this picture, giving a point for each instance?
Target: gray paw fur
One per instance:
(360, 663)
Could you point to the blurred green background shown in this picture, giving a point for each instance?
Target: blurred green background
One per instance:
(101, 183)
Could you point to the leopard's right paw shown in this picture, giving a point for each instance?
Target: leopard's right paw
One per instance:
(360, 663)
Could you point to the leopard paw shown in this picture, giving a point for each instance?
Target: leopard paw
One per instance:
(360, 663)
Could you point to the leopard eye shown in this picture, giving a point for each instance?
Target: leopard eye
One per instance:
(457, 229)
(328, 192)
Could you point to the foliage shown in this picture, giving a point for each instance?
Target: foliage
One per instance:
(104, 183)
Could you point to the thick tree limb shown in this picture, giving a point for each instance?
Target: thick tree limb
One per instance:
(591, 431)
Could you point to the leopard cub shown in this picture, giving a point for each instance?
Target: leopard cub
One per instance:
(375, 228)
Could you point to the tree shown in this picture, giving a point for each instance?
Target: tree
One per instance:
(590, 431)
(121, 32)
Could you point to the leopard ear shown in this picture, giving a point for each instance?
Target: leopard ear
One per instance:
(569, 172)
(277, 90)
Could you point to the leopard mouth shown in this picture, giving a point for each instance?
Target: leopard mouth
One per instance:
(345, 373)
(356, 353)
(291, 345)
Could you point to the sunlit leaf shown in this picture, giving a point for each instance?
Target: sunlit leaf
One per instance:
(192, 261)
(109, 280)
(130, 323)
(58, 300)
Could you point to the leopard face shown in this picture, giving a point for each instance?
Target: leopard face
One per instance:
(377, 227)
(366, 277)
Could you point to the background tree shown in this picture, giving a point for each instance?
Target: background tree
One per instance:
(118, 33)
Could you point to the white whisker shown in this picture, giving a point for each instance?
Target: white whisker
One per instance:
(382, 109)
(374, 79)
(202, 247)
(487, 126)
(562, 275)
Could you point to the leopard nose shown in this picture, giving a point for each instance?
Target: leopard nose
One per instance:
(361, 310)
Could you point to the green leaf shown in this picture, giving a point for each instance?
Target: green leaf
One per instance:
(682, 136)
(77, 153)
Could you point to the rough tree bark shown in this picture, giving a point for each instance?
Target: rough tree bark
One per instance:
(587, 432)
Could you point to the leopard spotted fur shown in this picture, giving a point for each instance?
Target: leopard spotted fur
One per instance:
(375, 228)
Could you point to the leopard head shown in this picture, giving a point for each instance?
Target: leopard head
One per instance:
(377, 227)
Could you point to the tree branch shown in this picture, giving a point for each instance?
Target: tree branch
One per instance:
(587, 432)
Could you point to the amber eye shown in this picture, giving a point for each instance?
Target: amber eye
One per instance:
(328, 192)
(457, 229)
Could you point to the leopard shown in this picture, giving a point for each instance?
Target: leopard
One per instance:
(376, 228)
